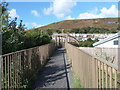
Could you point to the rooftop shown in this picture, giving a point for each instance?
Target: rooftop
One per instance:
(107, 39)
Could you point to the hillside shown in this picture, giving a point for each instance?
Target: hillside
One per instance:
(80, 23)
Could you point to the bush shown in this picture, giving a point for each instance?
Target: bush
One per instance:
(24, 41)
(88, 43)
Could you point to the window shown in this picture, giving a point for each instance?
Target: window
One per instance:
(116, 42)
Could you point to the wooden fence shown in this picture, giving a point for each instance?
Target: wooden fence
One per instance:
(110, 54)
(93, 72)
(19, 68)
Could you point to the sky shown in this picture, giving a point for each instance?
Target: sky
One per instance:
(37, 14)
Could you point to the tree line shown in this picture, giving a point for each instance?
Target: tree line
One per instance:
(85, 30)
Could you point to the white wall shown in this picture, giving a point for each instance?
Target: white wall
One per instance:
(109, 44)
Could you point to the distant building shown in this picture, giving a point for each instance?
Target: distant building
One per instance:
(90, 36)
(83, 37)
(110, 42)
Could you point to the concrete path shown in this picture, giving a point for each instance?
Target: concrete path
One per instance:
(55, 73)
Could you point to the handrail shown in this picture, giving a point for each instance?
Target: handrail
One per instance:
(102, 60)
(22, 50)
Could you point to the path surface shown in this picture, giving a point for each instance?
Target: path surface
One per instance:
(54, 74)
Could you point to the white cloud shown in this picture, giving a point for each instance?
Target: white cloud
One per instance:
(110, 12)
(34, 24)
(69, 18)
(35, 13)
(89, 16)
(13, 13)
(60, 8)
(104, 13)
(48, 11)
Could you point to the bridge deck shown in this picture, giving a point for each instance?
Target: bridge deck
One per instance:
(55, 73)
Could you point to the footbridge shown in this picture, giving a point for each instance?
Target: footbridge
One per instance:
(50, 65)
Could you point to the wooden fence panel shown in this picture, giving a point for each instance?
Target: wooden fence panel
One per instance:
(19, 67)
(93, 72)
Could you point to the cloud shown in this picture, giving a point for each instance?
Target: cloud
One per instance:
(89, 16)
(69, 18)
(60, 8)
(110, 12)
(34, 24)
(104, 13)
(13, 13)
(35, 13)
(48, 11)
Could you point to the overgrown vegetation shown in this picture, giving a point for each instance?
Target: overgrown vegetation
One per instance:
(15, 37)
(87, 43)
(76, 82)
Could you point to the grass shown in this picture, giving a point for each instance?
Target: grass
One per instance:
(76, 82)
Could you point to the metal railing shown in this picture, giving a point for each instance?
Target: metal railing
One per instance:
(93, 72)
(19, 68)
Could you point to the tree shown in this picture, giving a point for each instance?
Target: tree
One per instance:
(58, 31)
(4, 15)
(49, 31)
(75, 30)
(11, 34)
(88, 43)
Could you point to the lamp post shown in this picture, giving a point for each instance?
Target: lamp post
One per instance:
(62, 31)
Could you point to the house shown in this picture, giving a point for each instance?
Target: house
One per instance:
(90, 36)
(112, 41)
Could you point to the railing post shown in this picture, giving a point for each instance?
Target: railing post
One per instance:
(1, 73)
(96, 72)
(106, 76)
(111, 77)
(99, 74)
(102, 75)
(115, 78)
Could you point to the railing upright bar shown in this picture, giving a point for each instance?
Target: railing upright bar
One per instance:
(99, 74)
(102, 75)
(115, 78)
(17, 61)
(111, 77)
(20, 68)
(14, 80)
(5, 80)
(14, 70)
(2, 80)
(8, 65)
(106, 76)
(96, 72)
(10, 72)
